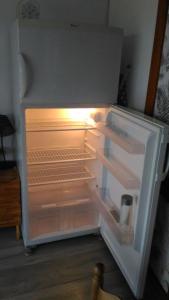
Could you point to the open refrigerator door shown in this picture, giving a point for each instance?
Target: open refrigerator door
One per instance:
(132, 159)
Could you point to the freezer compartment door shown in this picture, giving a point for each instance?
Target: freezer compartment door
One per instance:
(68, 65)
(130, 152)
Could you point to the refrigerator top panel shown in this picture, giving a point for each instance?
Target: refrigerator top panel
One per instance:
(70, 65)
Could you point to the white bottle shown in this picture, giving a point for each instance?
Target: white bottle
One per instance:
(126, 210)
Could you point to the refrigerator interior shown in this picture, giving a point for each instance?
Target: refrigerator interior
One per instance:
(59, 197)
(79, 164)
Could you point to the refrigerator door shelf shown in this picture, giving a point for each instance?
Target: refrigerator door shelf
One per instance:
(125, 176)
(124, 234)
(125, 141)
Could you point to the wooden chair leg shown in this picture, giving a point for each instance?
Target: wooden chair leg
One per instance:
(97, 280)
(98, 292)
(17, 232)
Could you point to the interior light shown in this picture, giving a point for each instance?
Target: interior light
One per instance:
(81, 114)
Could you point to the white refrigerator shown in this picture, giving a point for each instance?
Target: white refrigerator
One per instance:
(86, 166)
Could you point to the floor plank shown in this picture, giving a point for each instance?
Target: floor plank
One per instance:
(61, 270)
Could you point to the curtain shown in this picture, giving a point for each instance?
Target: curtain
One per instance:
(162, 98)
(160, 247)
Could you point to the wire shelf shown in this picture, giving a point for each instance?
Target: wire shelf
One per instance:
(57, 126)
(57, 174)
(42, 156)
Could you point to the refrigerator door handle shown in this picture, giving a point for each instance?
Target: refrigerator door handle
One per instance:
(23, 75)
(165, 172)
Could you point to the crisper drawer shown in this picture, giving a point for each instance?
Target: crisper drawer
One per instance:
(60, 209)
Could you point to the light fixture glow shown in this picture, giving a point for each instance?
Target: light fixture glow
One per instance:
(80, 114)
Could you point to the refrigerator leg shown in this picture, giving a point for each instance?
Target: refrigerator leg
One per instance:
(18, 233)
(29, 250)
(97, 235)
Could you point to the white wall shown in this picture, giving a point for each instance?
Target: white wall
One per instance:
(7, 12)
(138, 18)
(89, 11)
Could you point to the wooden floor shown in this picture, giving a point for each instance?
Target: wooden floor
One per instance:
(60, 270)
